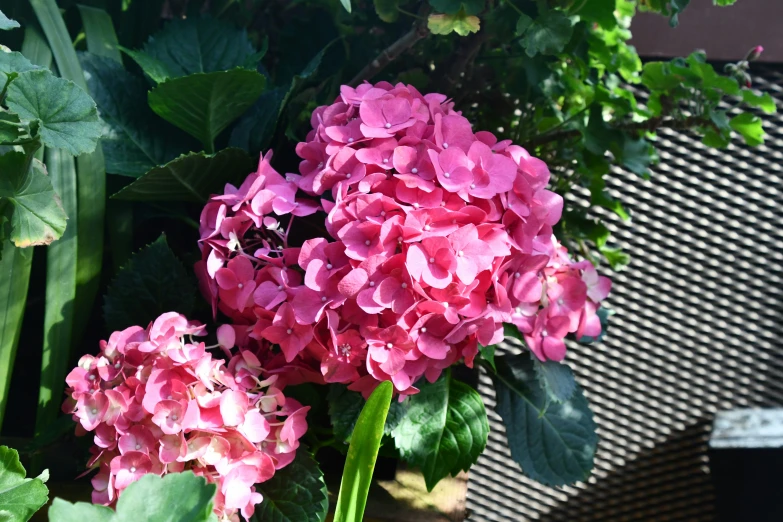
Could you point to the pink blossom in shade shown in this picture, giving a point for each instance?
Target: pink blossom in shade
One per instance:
(129, 468)
(546, 339)
(452, 169)
(431, 330)
(273, 289)
(255, 426)
(388, 347)
(237, 487)
(289, 334)
(378, 153)
(385, 116)
(525, 279)
(168, 416)
(90, 409)
(347, 351)
(236, 282)
(432, 262)
(172, 447)
(138, 438)
(294, 426)
(102, 493)
(473, 256)
(226, 336)
(567, 297)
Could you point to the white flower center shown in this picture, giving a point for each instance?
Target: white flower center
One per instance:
(404, 286)
(388, 125)
(415, 170)
(240, 286)
(383, 213)
(279, 287)
(446, 175)
(445, 145)
(461, 253)
(517, 274)
(386, 160)
(289, 331)
(372, 283)
(133, 469)
(389, 346)
(367, 242)
(427, 227)
(423, 329)
(94, 411)
(328, 266)
(323, 299)
(350, 140)
(472, 185)
(91, 377)
(348, 176)
(117, 365)
(432, 260)
(321, 164)
(138, 446)
(560, 301)
(174, 417)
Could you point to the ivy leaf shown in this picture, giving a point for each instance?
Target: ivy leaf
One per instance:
(460, 23)
(204, 104)
(555, 378)
(297, 493)
(33, 208)
(152, 283)
(20, 497)
(135, 140)
(175, 497)
(346, 405)
(553, 442)
(445, 429)
(523, 24)
(193, 177)
(600, 11)
(387, 10)
(67, 115)
(6, 24)
(749, 127)
(452, 7)
(765, 102)
(196, 45)
(548, 34)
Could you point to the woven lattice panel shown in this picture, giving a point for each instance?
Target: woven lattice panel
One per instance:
(698, 328)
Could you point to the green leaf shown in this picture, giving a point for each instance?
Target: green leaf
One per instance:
(749, 127)
(548, 34)
(35, 212)
(657, 76)
(556, 379)
(152, 283)
(255, 128)
(10, 127)
(152, 67)
(61, 258)
(194, 177)
(20, 497)
(723, 2)
(523, 24)
(204, 104)
(346, 405)
(488, 353)
(14, 62)
(554, 443)
(445, 429)
(6, 23)
(100, 34)
(68, 116)
(387, 10)
(198, 45)
(346, 5)
(765, 101)
(460, 23)
(616, 258)
(450, 7)
(599, 11)
(297, 493)
(175, 497)
(362, 454)
(135, 140)
(15, 266)
(637, 155)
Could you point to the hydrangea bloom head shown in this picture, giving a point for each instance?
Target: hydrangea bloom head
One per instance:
(438, 236)
(158, 402)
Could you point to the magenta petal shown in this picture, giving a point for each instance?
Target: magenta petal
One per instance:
(353, 282)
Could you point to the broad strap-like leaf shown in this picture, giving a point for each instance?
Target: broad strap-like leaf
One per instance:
(35, 212)
(204, 104)
(346, 405)
(135, 140)
(554, 443)
(152, 283)
(20, 497)
(297, 493)
(68, 116)
(445, 429)
(194, 177)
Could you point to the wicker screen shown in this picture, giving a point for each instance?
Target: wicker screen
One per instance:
(698, 324)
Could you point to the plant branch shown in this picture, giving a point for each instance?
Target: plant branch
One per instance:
(391, 53)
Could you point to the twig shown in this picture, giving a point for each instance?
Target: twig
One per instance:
(388, 55)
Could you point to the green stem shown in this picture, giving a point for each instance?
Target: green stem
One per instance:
(408, 13)
(514, 7)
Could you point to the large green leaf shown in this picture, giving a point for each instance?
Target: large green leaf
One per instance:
(134, 139)
(152, 283)
(194, 177)
(204, 104)
(61, 258)
(548, 34)
(175, 497)
(600, 11)
(6, 23)
(553, 442)
(362, 454)
(556, 378)
(765, 101)
(11, 128)
(346, 405)
(20, 497)
(35, 212)
(13, 62)
(749, 126)
(445, 429)
(255, 129)
(67, 115)
(297, 493)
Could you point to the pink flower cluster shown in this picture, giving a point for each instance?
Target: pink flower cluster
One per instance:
(439, 235)
(158, 402)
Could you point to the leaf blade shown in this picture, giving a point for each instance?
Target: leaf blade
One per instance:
(297, 493)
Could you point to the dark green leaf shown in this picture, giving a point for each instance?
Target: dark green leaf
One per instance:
(657, 76)
(20, 497)
(194, 177)
(488, 353)
(10, 127)
(152, 67)
(345, 407)
(297, 493)
(637, 155)
(362, 454)
(204, 104)
(255, 129)
(556, 378)
(387, 10)
(445, 429)
(765, 102)
(523, 24)
(554, 443)
(152, 283)
(600, 11)
(68, 116)
(135, 140)
(749, 127)
(35, 212)
(471, 7)
(6, 23)
(548, 34)
(200, 45)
